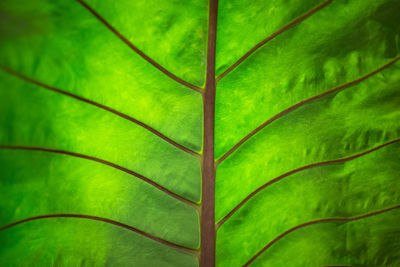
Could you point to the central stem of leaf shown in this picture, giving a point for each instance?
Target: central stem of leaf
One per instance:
(208, 232)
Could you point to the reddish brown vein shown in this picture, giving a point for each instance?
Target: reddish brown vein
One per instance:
(115, 166)
(349, 219)
(272, 36)
(122, 115)
(288, 110)
(137, 50)
(244, 201)
(95, 218)
(207, 218)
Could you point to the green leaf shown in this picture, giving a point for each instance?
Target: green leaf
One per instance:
(114, 153)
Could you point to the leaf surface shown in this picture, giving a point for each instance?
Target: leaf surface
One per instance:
(105, 132)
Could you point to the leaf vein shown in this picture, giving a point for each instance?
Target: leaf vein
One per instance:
(287, 174)
(137, 50)
(95, 218)
(292, 108)
(115, 112)
(110, 164)
(326, 220)
(272, 36)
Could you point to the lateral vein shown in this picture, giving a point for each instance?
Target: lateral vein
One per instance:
(287, 174)
(272, 36)
(115, 112)
(95, 218)
(110, 164)
(137, 50)
(288, 110)
(326, 220)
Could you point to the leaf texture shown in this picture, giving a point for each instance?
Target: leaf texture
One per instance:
(119, 119)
